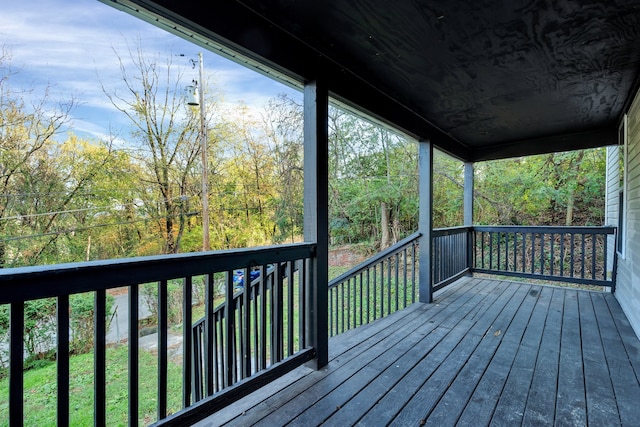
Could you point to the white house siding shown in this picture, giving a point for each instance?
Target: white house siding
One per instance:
(628, 284)
(612, 202)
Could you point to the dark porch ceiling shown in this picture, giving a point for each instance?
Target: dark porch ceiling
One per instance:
(482, 79)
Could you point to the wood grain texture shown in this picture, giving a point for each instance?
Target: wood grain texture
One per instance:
(486, 352)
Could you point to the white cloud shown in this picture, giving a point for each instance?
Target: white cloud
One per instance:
(68, 46)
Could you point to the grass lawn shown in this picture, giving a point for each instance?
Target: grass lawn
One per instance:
(40, 385)
(40, 390)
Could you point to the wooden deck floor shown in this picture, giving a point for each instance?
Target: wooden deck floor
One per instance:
(486, 352)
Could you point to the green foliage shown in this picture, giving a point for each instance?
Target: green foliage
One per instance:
(40, 390)
(149, 293)
(81, 312)
(69, 199)
(40, 327)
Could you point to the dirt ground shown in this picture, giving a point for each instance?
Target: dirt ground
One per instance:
(345, 256)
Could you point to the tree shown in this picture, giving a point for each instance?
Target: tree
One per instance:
(372, 180)
(27, 177)
(283, 128)
(165, 131)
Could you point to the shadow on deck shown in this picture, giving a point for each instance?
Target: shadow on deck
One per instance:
(485, 352)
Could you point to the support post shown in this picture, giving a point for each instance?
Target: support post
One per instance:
(316, 215)
(425, 171)
(468, 209)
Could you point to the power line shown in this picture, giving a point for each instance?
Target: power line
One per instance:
(34, 215)
(72, 230)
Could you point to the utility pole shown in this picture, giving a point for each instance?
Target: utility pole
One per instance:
(191, 100)
(205, 164)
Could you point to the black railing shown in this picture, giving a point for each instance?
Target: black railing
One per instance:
(451, 255)
(264, 338)
(269, 329)
(566, 254)
(376, 288)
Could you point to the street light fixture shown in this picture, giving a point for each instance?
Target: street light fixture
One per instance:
(195, 97)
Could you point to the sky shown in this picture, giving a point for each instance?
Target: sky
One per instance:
(68, 47)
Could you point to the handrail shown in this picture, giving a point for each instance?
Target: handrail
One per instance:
(233, 343)
(390, 251)
(375, 288)
(63, 279)
(606, 229)
(555, 253)
(448, 231)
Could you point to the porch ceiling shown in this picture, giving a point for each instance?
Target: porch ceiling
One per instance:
(481, 79)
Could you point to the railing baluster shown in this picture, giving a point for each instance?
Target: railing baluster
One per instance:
(342, 307)
(562, 235)
(163, 345)
(413, 273)
(246, 327)
(16, 355)
(397, 278)
(278, 309)
(582, 258)
(133, 355)
(514, 249)
(482, 246)
(100, 358)
(605, 252)
(388, 286)
(542, 243)
(552, 254)
(196, 367)
(290, 316)
(229, 334)
(499, 250)
(533, 253)
(218, 360)
(491, 250)
(593, 255)
(524, 251)
(302, 275)
(368, 294)
(572, 254)
(332, 312)
(375, 292)
(360, 297)
(264, 318)
(187, 358)
(209, 349)
(255, 320)
(349, 308)
(62, 359)
(404, 272)
(506, 251)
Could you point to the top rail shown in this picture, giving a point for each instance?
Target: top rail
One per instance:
(64, 279)
(555, 253)
(545, 229)
(392, 250)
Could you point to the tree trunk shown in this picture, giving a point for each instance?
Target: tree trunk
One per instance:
(570, 203)
(384, 225)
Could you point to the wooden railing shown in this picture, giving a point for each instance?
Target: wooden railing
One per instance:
(450, 255)
(566, 254)
(376, 288)
(263, 339)
(259, 332)
(269, 329)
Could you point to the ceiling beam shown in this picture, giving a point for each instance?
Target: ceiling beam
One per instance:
(600, 137)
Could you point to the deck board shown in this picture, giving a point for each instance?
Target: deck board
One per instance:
(486, 352)
(570, 403)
